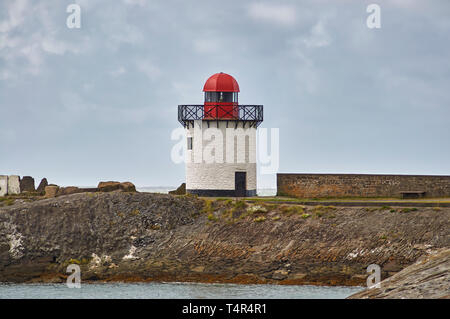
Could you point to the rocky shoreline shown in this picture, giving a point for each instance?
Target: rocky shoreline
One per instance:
(428, 278)
(122, 236)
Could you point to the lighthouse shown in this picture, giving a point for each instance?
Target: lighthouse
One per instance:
(221, 141)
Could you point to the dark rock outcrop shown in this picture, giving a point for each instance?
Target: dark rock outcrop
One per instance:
(114, 186)
(69, 190)
(27, 184)
(428, 278)
(181, 190)
(144, 236)
(51, 191)
(42, 185)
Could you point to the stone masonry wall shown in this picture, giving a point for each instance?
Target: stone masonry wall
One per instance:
(236, 152)
(360, 185)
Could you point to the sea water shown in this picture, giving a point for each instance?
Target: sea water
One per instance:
(173, 291)
(166, 189)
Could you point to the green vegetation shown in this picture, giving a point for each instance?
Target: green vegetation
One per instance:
(135, 212)
(304, 216)
(212, 217)
(120, 214)
(320, 210)
(207, 206)
(74, 261)
(8, 201)
(259, 219)
(408, 209)
(240, 204)
(257, 209)
(290, 210)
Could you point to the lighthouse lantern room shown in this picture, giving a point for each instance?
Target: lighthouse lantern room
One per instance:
(221, 141)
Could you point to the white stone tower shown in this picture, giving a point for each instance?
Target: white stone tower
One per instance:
(221, 141)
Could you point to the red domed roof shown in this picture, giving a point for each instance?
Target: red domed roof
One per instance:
(221, 82)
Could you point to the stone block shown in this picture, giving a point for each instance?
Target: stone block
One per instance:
(116, 186)
(69, 190)
(27, 184)
(51, 191)
(42, 185)
(3, 185)
(13, 185)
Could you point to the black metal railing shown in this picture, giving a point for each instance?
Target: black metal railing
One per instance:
(251, 114)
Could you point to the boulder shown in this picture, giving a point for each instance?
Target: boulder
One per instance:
(27, 184)
(3, 185)
(116, 186)
(68, 190)
(51, 191)
(181, 190)
(108, 186)
(42, 185)
(13, 185)
(127, 187)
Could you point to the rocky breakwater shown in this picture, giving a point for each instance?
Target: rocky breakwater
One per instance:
(428, 278)
(144, 237)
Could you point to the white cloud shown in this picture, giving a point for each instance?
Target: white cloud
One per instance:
(119, 71)
(207, 45)
(274, 13)
(149, 69)
(140, 3)
(53, 46)
(28, 35)
(16, 14)
(318, 36)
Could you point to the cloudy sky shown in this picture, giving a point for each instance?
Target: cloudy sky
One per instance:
(99, 103)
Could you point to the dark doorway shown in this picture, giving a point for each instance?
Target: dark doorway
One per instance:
(240, 184)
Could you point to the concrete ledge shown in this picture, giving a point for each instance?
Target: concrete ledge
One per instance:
(357, 203)
(218, 192)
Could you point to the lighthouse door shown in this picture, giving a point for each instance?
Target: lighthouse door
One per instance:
(240, 184)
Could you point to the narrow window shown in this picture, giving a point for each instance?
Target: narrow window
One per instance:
(189, 143)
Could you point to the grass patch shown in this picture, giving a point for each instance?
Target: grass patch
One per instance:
(207, 206)
(408, 209)
(212, 217)
(240, 204)
(7, 200)
(120, 214)
(305, 216)
(290, 210)
(257, 209)
(135, 212)
(259, 219)
(319, 210)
